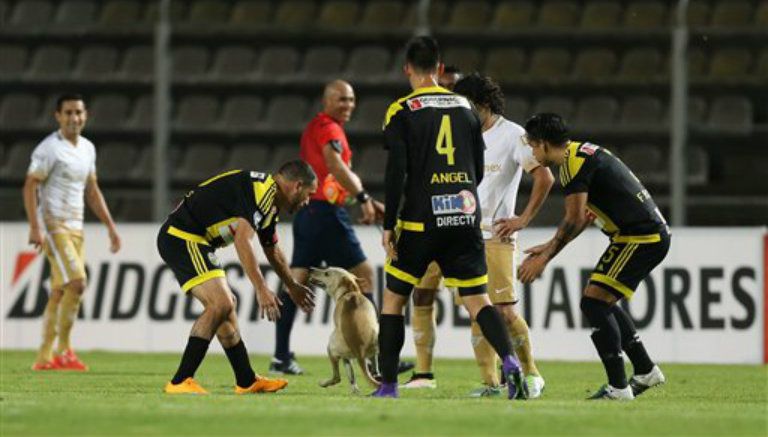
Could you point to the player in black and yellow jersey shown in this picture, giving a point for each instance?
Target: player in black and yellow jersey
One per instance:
(595, 180)
(230, 208)
(434, 166)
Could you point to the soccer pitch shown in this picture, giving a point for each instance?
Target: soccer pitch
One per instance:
(122, 395)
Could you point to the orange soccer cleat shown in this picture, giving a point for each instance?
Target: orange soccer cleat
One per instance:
(45, 365)
(189, 387)
(69, 361)
(262, 385)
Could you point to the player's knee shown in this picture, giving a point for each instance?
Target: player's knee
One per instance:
(56, 295)
(221, 309)
(593, 309)
(508, 312)
(76, 286)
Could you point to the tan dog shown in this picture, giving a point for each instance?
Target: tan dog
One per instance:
(356, 329)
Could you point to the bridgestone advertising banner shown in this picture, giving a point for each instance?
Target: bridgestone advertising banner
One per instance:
(706, 303)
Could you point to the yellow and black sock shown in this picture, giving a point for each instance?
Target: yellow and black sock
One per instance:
(424, 326)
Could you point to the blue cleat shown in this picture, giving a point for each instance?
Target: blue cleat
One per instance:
(516, 385)
(386, 390)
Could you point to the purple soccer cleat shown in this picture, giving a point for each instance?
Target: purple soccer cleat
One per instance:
(516, 386)
(386, 390)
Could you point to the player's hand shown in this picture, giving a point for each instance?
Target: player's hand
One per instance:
(369, 213)
(114, 241)
(379, 208)
(269, 304)
(536, 250)
(389, 243)
(531, 268)
(36, 238)
(505, 227)
(303, 296)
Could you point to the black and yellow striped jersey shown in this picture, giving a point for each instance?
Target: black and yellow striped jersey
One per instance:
(210, 211)
(615, 195)
(435, 162)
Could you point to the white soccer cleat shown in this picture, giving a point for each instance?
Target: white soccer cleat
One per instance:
(641, 383)
(421, 380)
(610, 393)
(535, 386)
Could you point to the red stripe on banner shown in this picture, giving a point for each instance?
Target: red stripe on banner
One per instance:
(765, 299)
(22, 262)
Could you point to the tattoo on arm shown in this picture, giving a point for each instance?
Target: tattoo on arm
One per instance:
(567, 231)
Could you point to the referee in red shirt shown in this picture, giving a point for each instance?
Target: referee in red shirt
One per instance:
(322, 231)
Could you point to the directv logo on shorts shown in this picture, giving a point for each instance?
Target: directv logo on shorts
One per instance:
(462, 203)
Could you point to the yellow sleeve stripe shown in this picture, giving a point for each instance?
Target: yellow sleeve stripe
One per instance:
(574, 162)
(218, 176)
(464, 283)
(262, 189)
(197, 280)
(268, 199)
(391, 111)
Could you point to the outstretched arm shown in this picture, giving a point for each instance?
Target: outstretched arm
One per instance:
(302, 295)
(268, 301)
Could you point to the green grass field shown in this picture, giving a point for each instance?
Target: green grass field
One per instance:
(121, 395)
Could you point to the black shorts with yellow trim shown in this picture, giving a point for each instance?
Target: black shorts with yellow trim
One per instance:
(628, 260)
(189, 256)
(460, 253)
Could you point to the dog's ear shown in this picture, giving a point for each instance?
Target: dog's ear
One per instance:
(352, 283)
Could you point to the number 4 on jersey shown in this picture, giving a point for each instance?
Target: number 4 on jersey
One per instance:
(444, 144)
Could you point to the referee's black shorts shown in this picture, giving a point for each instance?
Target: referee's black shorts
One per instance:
(189, 256)
(628, 260)
(460, 253)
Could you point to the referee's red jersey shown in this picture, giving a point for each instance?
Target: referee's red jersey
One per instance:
(323, 129)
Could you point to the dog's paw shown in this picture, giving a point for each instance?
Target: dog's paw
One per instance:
(330, 382)
(355, 390)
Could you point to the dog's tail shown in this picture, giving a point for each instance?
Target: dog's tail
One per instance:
(367, 372)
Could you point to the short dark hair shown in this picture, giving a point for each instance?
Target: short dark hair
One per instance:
(548, 127)
(298, 170)
(423, 53)
(482, 90)
(66, 98)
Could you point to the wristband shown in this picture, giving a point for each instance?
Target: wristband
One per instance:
(363, 196)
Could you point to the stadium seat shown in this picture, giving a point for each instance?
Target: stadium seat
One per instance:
(697, 162)
(196, 112)
(178, 11)
(121, 13)
(732, 113)
(282, 154)
(242, 112)
(641, 64)
(251, 13)
(249, 156)
(369, 114)
(13, 63)
(19, 110)
(199, 162)
(295, 14)
(549, 63)
(96, 62)
(322, 63)
(646, 14)
(286, 112)
(277, 62)
(115, 161)
(730, 64)
(647, 162)
(558, 14)
(601, 14)
(467, 58)
(512, 15)
(108, 111)
(76, 13)
(761, 66)
(761, 15)
(641, 111)
(732, 13)
(50, 62)
(207, 12)
(559, 105)
(233, 62)
(697, 13)
(142, 115)
(697, 111)
(598, 112)
(138, 63)
(143, 171)
(437, 14)
(32, 13)
(516, 109)
(594, 64)
(338, 15)
(505, 64)
(698, 63)
(383, 14)
(367, 63)
(17, 161)
(189, 62)
(133, 207)
(469, 15)
(371, 165)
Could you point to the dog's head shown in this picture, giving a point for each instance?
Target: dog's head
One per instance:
(335, 281)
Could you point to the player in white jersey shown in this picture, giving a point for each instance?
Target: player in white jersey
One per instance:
(506, 157)
(60, 180)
